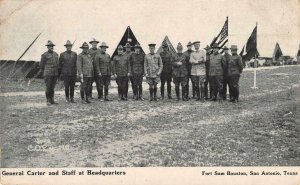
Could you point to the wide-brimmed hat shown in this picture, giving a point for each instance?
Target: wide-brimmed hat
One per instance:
(103, 45)
(189, 44)
(151, 45)
(68, 43)
(84, 45)
(50, 43)
(137, 45)
(93, 40)
(196, 42)
(207, 47)
(215, 45)
(179, 46)
(127, 45)
(120, 47)
(233, 47)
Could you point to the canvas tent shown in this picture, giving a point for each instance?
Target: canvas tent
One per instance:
(18, 69)
(171, 48)
(128, 36)
(277, 52)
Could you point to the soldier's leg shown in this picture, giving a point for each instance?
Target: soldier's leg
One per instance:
(72, 88)
(132, 86)
(187, 87)
(169, 86)
(67, 87)
(235, 84)
(82, 89)
(194, 89)
(231, 88)
(151, 87)
(225, 82)
(53, 83)
(155, 91)
(220, 86)
(176, 81)
(214, 91)
(202, 89)
(106, 83)
(140, 86)
(90, 94)
(237, 87)
(87, 90)
(98, 86)
(183, 88)
(119, 88)
(162, 85)
(206, 88)
(47, 89)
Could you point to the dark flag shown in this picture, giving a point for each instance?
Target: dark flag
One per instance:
(221, 39)
(277, 52)
(251, 46)
(129, 37)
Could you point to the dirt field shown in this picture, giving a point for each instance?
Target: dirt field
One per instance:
(261, 130)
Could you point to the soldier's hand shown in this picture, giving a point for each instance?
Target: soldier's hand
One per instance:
(99, 74)
(129, 74)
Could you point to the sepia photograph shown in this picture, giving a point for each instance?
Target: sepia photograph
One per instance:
(137, 83)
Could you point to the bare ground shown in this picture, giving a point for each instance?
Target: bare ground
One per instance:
(261, 130)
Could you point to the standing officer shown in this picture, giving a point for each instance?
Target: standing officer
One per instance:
(121, 69)
(235, 68)
(50, 68)
(67, 63)
(180, 73)
(93, 52)
(189, 67)
(136, 61)
(128, 53)
(85, 71)
(153, 67)
(166, 75)
(198, 59)
(104, 69)
(206, 83)
(216, 72)
(225, 77)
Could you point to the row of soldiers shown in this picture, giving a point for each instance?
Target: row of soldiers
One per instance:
(206, 70)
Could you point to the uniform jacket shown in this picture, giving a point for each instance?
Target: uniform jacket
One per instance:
(180, 70)
(93, 53)
(121, 65)
(207, 64)
(104, 64)
(49, 64)
(235, 65)
(85, 65)
(167, 60)
(137, 63)
(227, 58)
(67, 63)
(197, 60)
(153, 65)
(188, 64)
(216, 64)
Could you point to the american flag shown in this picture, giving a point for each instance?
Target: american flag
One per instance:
(221, 38)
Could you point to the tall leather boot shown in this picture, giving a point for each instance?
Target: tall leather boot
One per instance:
(183, 94)
(151, 94)
(169, 88)
(162, 92)
(198, 93)
(202, 93)
(177, 93)
(194, 90)
(106, 94)
(67, 95)
(48, 98)
(140, 92)
(52, 98)
(154, 94)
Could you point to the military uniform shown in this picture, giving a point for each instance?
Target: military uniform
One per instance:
(128, 54)
(235, 68)
(153, 67)
(198, 72)
(85, 68)
(93, 52)
(189, 76)
(180, 74)
(104, 67)
(166, 75)
(206, 83)
(225, 77)
(216, 72)
(136, 61)
(121, 68)
(49, 66)
(67, 63)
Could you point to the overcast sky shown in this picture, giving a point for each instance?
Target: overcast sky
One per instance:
(150, 20)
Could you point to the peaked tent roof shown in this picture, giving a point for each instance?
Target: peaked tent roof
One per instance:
(277, 52)
(171, 48)
(128, 36)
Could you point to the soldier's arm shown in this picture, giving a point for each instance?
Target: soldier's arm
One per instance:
(79, 65)
(42, 64)
(160, 65)
(113, 69)
(60, 64)
(145, 66)
(240, 64)
(193, 60)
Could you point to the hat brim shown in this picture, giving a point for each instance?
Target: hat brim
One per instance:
(50, 45)
(94, 41)
(83, 47)
(233, 48)
(103, 47)
(68, 45)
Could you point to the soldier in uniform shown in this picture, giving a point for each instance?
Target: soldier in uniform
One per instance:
(153, 67)
(128, 53)
(189, 67)
(85, 71)
(121, 69)
(166, 75)
(235, 68)
(49, 66)
(93, 52)
(198, 72)
(225, 77)
(67, 63)
(104, 69)
(136, 61)
(206, 83)
(216, 72)
(180, 73)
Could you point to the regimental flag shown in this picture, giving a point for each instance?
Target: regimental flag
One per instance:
(277, 52)
(129, 37)
(221, 39)
(251, 46)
